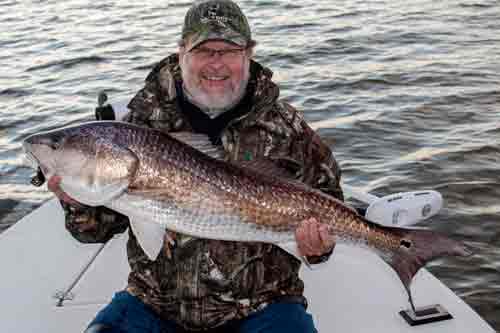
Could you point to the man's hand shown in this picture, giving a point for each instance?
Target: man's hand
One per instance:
(313, 238)
(54, 187)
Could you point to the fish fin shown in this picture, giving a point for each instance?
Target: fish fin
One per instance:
(417, 247)
(113, 171)
(200, 142)
(285, 169)
(150, 236)
(281, 168)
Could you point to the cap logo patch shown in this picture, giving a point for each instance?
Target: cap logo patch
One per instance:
(211, 15)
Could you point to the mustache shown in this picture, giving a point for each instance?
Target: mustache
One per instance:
(215, 73)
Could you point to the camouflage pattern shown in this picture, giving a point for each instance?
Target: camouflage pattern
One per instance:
(93, 224)
(201, 283)
(216, 19)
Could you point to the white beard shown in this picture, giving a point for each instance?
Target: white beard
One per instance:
(213, 105)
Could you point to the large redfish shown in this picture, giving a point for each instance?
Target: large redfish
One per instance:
(160, 182)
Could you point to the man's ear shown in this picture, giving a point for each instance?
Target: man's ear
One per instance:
(250, 52)
(182, 52)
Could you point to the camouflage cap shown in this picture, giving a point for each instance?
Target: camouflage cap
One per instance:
(216, 20)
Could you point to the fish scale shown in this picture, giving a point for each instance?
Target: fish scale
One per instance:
(164, 182)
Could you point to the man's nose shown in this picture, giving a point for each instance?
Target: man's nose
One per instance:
(216, 59)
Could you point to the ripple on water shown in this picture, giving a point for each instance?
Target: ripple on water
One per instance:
(68, 63)
(406, 93)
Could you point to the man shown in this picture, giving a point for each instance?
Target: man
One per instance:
(212, 86)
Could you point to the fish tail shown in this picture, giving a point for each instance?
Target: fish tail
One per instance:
(417, 247)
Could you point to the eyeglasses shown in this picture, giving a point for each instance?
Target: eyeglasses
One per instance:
(205, 53)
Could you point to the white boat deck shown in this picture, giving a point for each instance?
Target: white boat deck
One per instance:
(354, 292)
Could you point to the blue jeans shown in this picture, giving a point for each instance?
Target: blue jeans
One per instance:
(126, 313)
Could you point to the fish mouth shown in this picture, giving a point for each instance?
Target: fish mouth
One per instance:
(29, 158)
(32, 161)
(39, 178)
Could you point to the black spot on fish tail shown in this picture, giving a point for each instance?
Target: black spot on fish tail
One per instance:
(418, 247)
(405, 243)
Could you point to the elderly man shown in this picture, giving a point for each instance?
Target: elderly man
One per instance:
(212, 86)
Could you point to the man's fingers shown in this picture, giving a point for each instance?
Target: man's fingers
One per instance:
(315, 244)
(53, 185)
(299, 235)
(302, 242)
(313, 238)
(327, 239)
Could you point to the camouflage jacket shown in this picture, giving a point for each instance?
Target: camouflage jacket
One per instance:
(202, 283)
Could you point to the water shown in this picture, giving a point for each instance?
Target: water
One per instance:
(406, 93)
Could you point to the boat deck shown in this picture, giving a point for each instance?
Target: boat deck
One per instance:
(52, 283)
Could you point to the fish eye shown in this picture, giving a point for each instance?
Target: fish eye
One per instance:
(55, 142)
(405, 243)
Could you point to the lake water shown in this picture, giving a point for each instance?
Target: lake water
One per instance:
(407, 94)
